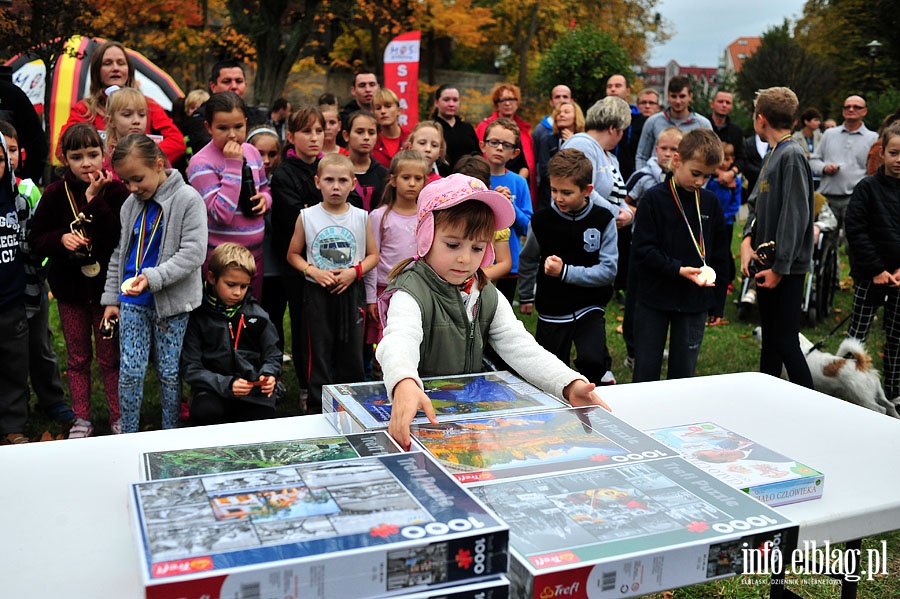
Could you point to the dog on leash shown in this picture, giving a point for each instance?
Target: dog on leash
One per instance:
(847, 375)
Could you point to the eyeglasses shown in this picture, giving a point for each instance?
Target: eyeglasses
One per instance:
(648, 103)
(853, 107)
(496, 143)
(505, 100)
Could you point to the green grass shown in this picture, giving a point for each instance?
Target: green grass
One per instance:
(725, 349)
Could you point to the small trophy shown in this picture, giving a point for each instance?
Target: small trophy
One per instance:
(90, 267)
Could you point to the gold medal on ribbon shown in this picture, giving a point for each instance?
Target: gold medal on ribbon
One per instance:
(91, 270)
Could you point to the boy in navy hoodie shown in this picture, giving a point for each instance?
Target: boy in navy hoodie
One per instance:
(14, 214)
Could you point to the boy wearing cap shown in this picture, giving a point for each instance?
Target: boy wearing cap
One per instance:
(439, 309)
(570, 256)
(333, 247)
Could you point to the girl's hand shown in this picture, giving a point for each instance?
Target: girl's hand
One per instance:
(110, 312)
(343, 279)
(579, 393)
(233, 149)
(372, 311)
(139, 285)
(325, 278)
(260, 208)
(408, 399)
(268, 385)
(241, 388)
(98, 179)
(73, 242)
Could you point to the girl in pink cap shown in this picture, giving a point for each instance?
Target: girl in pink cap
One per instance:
(440, 310)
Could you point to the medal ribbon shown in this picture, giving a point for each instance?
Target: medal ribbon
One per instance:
(75, 212)
(143, 242)
(701, 246)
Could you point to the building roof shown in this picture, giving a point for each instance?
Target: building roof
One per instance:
(740, 50)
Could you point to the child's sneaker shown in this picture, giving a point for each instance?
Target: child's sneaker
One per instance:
(608, 378)
(116, 427)
(629, 362)
(81, 429)
(13, 439)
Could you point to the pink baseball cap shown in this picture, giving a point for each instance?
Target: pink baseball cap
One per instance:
(453, 190)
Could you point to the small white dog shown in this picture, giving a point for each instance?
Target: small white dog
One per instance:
(848, 375)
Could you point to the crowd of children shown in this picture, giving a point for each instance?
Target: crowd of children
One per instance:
(369, 248)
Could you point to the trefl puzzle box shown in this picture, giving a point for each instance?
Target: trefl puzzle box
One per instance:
(361, 407)
(626, 530)
(767, 475)
(347, 529)
(476, 449)
(175, 463)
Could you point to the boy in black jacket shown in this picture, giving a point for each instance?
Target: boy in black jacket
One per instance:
(679, 245)
(231, 356)
(570, 256)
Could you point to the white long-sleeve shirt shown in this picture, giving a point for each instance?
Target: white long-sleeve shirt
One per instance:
(398, 351)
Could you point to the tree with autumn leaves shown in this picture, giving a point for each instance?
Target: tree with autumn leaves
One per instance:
(185, 36)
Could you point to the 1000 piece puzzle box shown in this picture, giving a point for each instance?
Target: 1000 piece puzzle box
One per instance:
(767, 475)
(478, 449)
(626, 530)
(359, 407)
(175, 463)
(346, 529)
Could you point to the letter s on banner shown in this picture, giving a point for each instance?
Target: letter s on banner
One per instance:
(401, 73)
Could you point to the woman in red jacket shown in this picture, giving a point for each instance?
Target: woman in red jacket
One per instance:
(110, 65)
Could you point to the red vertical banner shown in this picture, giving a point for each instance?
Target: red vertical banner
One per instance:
(401, 74)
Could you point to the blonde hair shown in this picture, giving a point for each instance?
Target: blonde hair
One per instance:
(579, 116)
(231, 255)
(194, 100)
(442, 157)
(120, 100)
(335, 160)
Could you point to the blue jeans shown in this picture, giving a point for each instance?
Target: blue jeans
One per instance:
(136, 325)
(650, 328)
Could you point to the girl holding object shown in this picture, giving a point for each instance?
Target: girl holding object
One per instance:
(76, 225)
(231, 179)
(154, 278)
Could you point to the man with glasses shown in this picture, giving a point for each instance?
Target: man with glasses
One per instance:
(648, 102)
(840, 159)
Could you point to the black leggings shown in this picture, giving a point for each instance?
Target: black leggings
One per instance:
(779, 315)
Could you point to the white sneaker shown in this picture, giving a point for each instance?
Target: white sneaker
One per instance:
(629, 362)
(608, 378)
(749, 297)
(81, 429)
(285, 358)
(116, 427)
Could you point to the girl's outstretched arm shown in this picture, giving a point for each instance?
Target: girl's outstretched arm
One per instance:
(408, 399)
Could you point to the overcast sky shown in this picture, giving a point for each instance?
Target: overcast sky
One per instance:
(703, 28)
